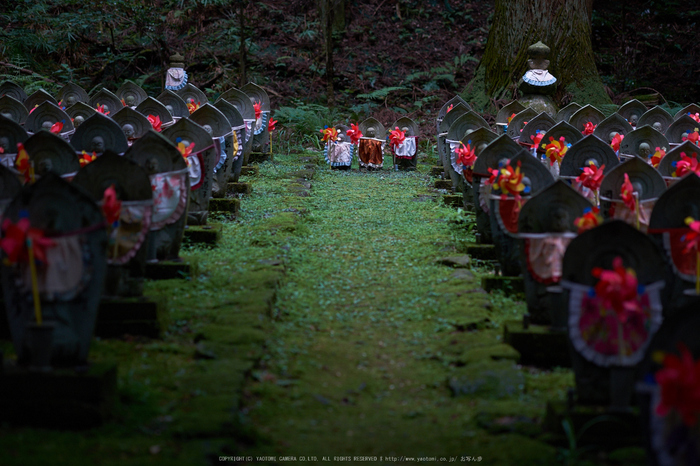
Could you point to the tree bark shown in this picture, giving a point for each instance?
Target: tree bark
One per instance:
(327, 13)
(241, 47)
(563, 25)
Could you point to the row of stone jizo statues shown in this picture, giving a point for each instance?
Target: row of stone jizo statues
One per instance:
(601, 217)
(215, 139)
(86, 202)
(368, 142)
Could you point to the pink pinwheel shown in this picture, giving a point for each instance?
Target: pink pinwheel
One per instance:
(57, 127)
(155, 122)
(694, 116)
(397, 137)
(354, 133)
(679, 381)
(616, 140)
(617, 289)
(591, 177)
(14, 241)
(449, 108)
(588, 128)
(627, 193)
(686, 165)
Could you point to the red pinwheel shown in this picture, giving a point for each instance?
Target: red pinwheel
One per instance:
(57, 127)
(192, 106)
(536, 139)
(679, 381)
(271, 125)
(617, 289)
(155, 122)
(686, 165)
(449, 108)
(627, 193)
(329, 134)
(591, 177)
(354, 133)
(494, 175)
(111, 207)
(466, 156)
(657, 157)
(510, 181)
(86, 158)
(692, 238)
(397, 137)
(14, 241)
(185, 151)
(258, 110)
(101, 109)
(23, 164)
(588, 128)
(616, 140)
(695, 116)
(693, 137)
(589, 219)
(555, 150)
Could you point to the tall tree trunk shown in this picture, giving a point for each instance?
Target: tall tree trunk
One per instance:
(564, 25)
(241, 47)
(327, 13)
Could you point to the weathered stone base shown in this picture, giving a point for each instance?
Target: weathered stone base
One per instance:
(134, 316)
(167, 270)
(249, 170)
(607, 429)
(443, 184)
(437, 171)
(257, 157)
(204, 234)
(239, 188)
(485, 252)
(225, 205)
(510, 285)
(453, 200)
(538, 345)
(60, 399)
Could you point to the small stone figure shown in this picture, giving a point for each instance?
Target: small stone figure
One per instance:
(176, 76)
(406, 153)
(371, 149)
(538, 84)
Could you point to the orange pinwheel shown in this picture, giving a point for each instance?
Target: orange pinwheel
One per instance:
(23, 164)
(658, 155)
(627, 193)
(155, 122)
(354, 133)
(589, 219)
(555, 150)
(616, 140)
(591, 177)
(86, 158)
(329, 134)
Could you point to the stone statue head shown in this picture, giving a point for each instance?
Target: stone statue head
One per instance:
(208, 129)
(657, 126)
(97, 145)
(152, 166)
(588, 163)
(169, 108)
(634, 118)
(77, 121)
(644, 150)
(130, 101)
(480, 148)
(70, 101)
(560, 220)
(106, 108)
(44, 166)
(7, 115)
(371, 132)
(129, 131)
(612, 135)
(637, 187)
(5, 144)
(46, 125)
(405, 129)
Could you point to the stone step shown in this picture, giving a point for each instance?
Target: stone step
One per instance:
(239, 188)
(453, 200)
(436, 170)
(510, 285)
(538, 345)
(140, 316)
(224, 205)
(443, 184)
(249, 170)
(167, 270)
(204, 234)
(486, 252)
(258, 157)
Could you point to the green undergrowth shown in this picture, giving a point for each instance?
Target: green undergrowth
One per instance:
(321, 325)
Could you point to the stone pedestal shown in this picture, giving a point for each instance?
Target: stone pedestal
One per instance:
(538, 345)
(205, 234)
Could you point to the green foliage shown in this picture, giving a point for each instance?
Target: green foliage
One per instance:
(381, 94)
(303, 122)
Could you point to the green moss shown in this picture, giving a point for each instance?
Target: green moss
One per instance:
(589, 91)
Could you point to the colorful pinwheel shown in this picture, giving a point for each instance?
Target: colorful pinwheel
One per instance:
(449, 108)
(555, 150)
(354, 133)
(679, 382)
(466, 156)
(56, 127)
(693, 137)
(193, 106)
(686, 165)
(510, 181)
(101, 109)
(14, 241)
(23, 164)
(258, 110)
(588, 128)
(397, 137)
(616, 140)
(627, 194)
(271, 125)
(329, 134)
(657, 157)
(694, 116)
(536, 139)
(591, 177)
(589, 219)
(155, 122)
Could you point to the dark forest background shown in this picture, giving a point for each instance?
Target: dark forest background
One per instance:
(391, 57)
